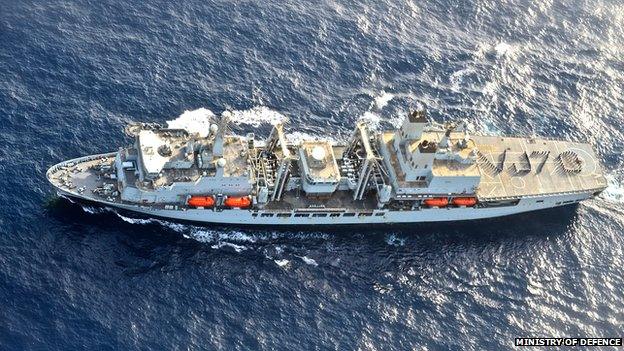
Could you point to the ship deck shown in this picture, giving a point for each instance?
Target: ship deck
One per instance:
(81, 176)
(513, 167)
(510, 167)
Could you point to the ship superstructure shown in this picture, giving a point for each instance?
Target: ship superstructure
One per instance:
(422, 171)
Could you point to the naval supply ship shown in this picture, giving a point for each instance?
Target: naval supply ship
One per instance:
(421, 172)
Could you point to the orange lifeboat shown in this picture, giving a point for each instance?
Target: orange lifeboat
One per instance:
(239, 202)
(201, 201)
(436, 202)
(464, 201)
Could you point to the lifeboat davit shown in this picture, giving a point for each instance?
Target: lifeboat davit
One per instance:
(464, 201)
(436, 202)
(239, 202)
(201, 201)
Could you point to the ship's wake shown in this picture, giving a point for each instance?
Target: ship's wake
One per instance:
(278, 246)
(615, 189)
(199, 120)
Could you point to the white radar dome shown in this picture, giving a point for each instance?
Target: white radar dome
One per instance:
(318, 153)
(221, 162)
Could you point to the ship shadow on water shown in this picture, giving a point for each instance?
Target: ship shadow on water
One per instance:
(136, 249)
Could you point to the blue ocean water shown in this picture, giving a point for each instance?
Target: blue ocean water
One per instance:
(73, 73)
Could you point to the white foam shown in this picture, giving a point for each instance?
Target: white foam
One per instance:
(503, 49)
(614, 191)
(213, 236)
(173, 226)
(394, 241)
(203, 236)
(92, 210)
(135, 220)
(199, 120)
(383, 99)
(373, 119)
(257, 116)
(281, 263)
(98, 210)
(68, 198)
(237, 248)
(457, 78)
(308, 260)
(363, 23)
(194, 121)
(237, 236)
(500, 49)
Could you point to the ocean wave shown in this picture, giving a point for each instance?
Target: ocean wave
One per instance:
(615, 190)
(257, 116)
(309, 261)
(393, 240)
(282, 262)
(383, 99)
(237, 248)
(199, 120)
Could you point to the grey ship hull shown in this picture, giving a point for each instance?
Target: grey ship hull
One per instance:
(83, 180)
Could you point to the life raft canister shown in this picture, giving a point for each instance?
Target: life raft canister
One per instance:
(436, 202)
(201, 201)
(464, 201)
(239, 202)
